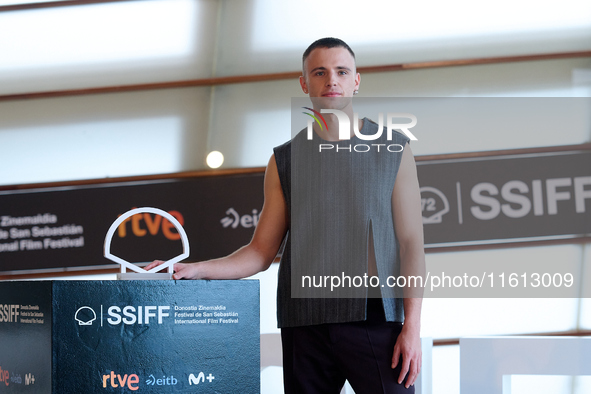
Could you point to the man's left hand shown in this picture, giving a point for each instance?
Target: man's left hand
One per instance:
(408, 346)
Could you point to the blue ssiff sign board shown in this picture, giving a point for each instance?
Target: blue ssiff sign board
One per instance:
(129, 336)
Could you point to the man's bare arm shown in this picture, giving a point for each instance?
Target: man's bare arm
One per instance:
(259, 253)
(406, 206)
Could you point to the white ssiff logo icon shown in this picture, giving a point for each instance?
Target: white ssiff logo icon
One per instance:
(85, 316)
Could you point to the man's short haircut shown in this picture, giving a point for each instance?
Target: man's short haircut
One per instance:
(327, 42)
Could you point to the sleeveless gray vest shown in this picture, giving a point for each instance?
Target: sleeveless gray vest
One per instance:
(336, 198)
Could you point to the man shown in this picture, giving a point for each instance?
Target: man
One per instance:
(360, 340)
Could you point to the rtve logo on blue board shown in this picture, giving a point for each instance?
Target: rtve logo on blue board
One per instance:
(116, 380)
(8, 378)
(4, 376)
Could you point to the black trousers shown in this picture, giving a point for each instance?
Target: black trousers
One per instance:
(318, 359)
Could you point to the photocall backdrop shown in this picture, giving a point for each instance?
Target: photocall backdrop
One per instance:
(66, 227)
(465, 201)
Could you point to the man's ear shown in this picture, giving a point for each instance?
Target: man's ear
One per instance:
(303, 84)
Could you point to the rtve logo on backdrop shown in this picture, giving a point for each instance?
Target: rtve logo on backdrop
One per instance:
(144, 223)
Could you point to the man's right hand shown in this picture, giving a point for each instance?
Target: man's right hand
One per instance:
(181, 270)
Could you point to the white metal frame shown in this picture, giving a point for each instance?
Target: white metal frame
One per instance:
(126, 264)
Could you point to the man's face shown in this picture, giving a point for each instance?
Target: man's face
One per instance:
(330, 74)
